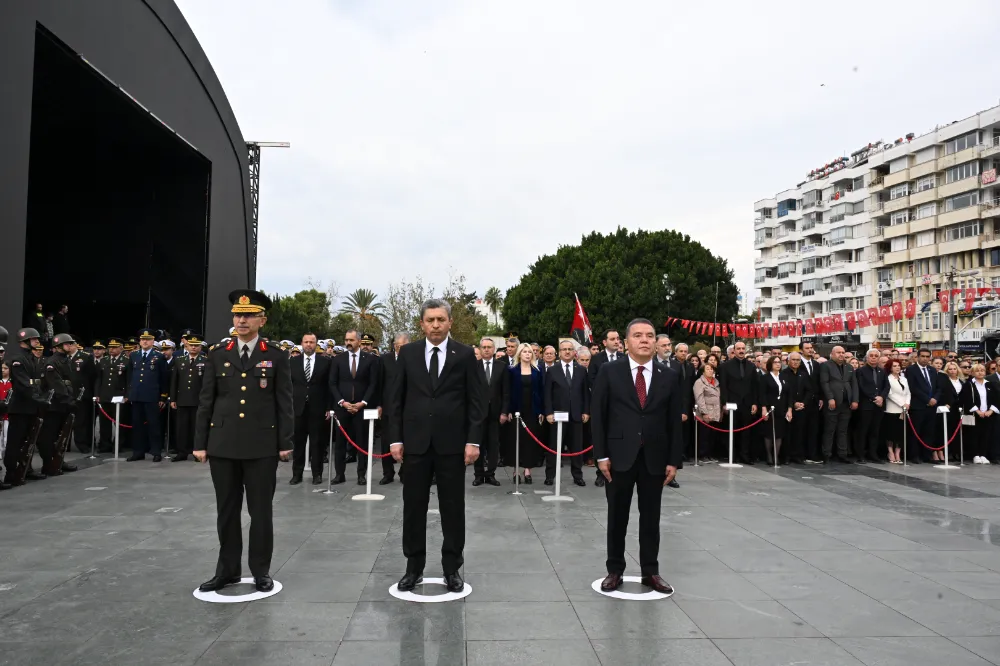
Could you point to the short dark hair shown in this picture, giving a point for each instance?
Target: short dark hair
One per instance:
(638, 320)
(924, 351)
(310, 333)
(609, 332)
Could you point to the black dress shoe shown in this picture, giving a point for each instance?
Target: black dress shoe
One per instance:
(386, 480)
(657, 584)
(66, 467)
(217, 583)
(5, 486)
(408, 582)
(179, 458)
(362, 479)
(32, 475)
(527, 480)
(611, 583)
(296, 480)
(263, 583)
(549, 482)
(134, 458)
(317, 479)
(579, 482)
(492, 480)
(599, 481)
(338, 479)
(454, 582)
(157, 458)
(478, 481)
(673, 484)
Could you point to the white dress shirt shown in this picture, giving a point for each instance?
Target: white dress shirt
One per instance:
(355, 358)
(981, 388)
(249, 345)
(567, 369)
(612, 356)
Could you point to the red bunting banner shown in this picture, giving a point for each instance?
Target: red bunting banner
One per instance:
(911, 308)
(897, 311)
(849, 321)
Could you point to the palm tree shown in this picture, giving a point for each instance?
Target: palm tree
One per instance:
(363, 306)
(494, 301)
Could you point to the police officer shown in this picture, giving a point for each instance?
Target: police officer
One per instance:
(244, 425)
(185, 386)
(84, 377)
(147, 393)
(111, 382)
(23, 406)
(57, 380)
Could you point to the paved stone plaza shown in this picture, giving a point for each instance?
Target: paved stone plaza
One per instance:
(847, 565)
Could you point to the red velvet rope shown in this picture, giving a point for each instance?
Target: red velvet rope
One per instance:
(940, 448)
(364, 451)
(123, 425)
(712, 427)
(565, 455)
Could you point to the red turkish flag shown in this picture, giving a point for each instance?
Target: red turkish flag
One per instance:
(897, 311)
(828, 324)
(849, 321)
(861, 317)
(810, 330)
(943, 297)
(911, 308)
(725, 330)
(783, 329)
(884, 314)
(982, 291)
(970, 298)
(838, 322)
(873, 317)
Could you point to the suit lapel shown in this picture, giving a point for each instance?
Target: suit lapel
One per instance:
(450, 357)
(630, 385)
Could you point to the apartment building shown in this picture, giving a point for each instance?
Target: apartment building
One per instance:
(814, 254)
(934, 210)
(893, 221)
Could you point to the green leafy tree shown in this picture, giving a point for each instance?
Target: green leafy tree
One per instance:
(618, 277)
(402, 307)
(291, 316)
(466, 321)
(366, 310)
(494, 301)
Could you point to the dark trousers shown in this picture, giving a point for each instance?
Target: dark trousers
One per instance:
(449, 470)
(741, 440)
(489, 449)
(168, 426)
(619, 494)
(309, 424)
(923, 422)
(357, 428)
(147, 437)
(258, 476)
(835, 426)
(186, 418)
(573, 440)
(810, 422)
(869, 434)
(794, 442)
(83, 427)
(47, 436)
(105, 428)
(712, 443)
(18, 429)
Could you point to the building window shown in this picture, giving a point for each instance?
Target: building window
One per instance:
(935, 321)
(962, 201)
(925, 238)
(925, 183)
(897, 244)
(902, 217)
(961, 143)
(966, 230)
(927, 210)
(900, 190)
(962, 171)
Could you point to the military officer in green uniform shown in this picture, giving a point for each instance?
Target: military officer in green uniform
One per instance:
(84, 377)
(112, 371)
(185, 387)
(244, 425)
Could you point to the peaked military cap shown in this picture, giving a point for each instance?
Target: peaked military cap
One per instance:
(248, 301)
(146, 334)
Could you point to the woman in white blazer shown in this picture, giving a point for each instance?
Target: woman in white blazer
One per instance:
(898, 402)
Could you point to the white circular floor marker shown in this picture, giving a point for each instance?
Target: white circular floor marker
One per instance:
(649, 595)
(430, 598)
(216, 598)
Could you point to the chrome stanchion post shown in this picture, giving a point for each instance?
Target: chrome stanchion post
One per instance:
(731, 408)
(774, 438)
(906, 423)
(961, 437)
(943, 409)
(330, 471)
(517, 455)
(96, 431)
(118, 421)
(696, 464)
(370, 416)
(560, 418)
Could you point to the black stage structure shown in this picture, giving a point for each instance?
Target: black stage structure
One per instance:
(124, 183)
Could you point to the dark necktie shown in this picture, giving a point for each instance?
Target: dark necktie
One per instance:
(809, 367)
(354, 365)
(741, 369)
(487, 370)
(245, 356)
(434, 367)
(309, 368)
(640, 386)
(569, 377)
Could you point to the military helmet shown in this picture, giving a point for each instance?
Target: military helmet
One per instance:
(62, 338)
(3, 335)
(28, 334)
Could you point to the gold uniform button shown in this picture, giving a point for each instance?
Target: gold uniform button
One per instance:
(243, 402)
(212, 424)
(241, 415)
(244, 375)
(243, 388)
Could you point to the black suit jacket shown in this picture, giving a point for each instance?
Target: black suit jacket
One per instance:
(838, 383)
(363, 387)
(872, 383)
(386, 370)
(446, 417)
(921, 391)
(596, 362)
(743, 390)
(561, 396)
(245, 413)
(686, 377)
(770, 396)
(498, 388)
(619, 426)
(945, 389)
(799, 386)
(317, 390)
(970, 397)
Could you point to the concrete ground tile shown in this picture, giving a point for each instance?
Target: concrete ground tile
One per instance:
(227, 653)
(408, 651)
(785, 652)
(896, 651)
(290, 621)
(522, 621)
(689, 652)
(531, 652)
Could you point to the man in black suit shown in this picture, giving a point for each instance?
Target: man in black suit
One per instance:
(924, 398)
(436, 409)
(387, 370)
(496, 383)
(311, 397)
(738, 380)
(812, 410)
(244, 425)
(636, 410)
(678, 362)
(611, 352)
(873, 391)
(566, 390)
(353, 386)
(839, 388)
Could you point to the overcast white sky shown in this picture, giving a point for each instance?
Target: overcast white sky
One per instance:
(480, 135)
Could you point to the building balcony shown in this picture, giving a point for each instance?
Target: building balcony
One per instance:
(989, 208)
(962, 245)
(923, 169)
(877, 182)
(924, 196)
(923, 252)
(923, 224)
(899, 256)
(991, 149)
(895, 230)
(957, 187)
(894, 205)
(956, 216)
(948, 161)
(893, 179)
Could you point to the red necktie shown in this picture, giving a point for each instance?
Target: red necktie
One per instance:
(640, 386)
